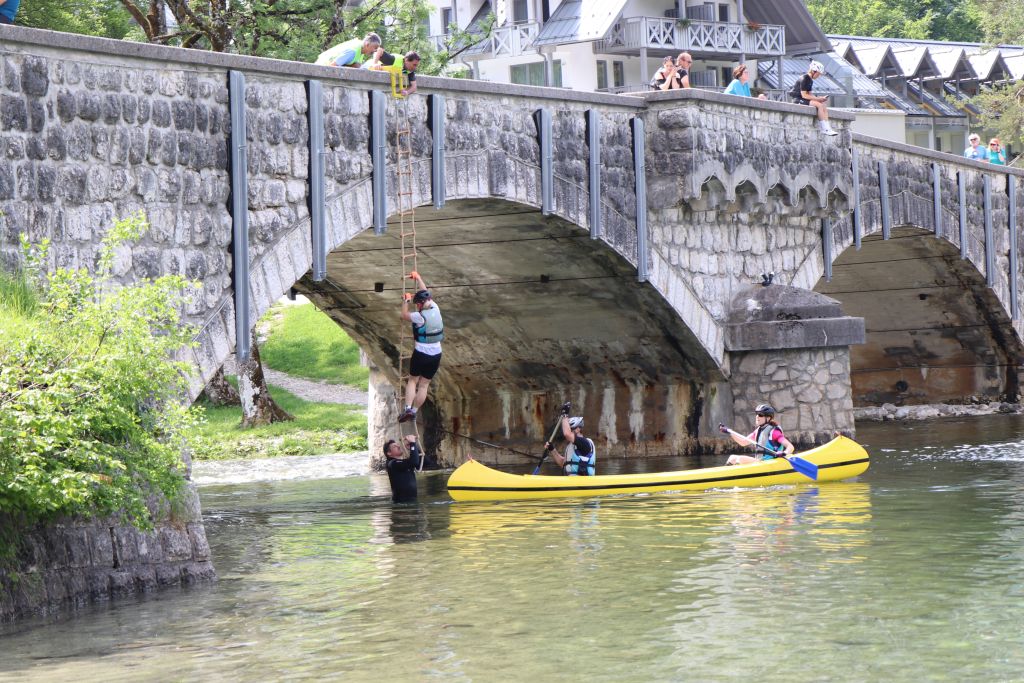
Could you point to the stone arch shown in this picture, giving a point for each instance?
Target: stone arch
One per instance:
(616, 346)
(935, 331)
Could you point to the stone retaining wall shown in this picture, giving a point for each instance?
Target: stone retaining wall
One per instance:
(71, 563)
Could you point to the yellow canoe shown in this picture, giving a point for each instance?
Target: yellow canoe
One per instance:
(840, 458)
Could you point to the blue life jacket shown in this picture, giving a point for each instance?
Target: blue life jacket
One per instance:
(580, 465)
(432, 329)
(764, 438)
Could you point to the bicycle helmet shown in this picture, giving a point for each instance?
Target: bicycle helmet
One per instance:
(816, 66)
(421, 296)
(575, 422)
(764, 409)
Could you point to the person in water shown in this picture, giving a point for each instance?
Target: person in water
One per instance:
(579, 458)
(427, 333)
(767, 433)
(401, 466)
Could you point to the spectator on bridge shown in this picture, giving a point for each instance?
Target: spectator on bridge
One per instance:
(801, 94)
(385, 61)
(767, 434)
(350, 53)
(739, 85)
(401, 466)
(580, 458)
(427, 333)
(996, 155)
(8, 8)
(673, 74)
(973, 151)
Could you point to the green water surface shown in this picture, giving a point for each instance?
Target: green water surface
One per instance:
(914, 572)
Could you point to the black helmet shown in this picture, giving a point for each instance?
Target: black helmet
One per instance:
(764, 409)
(420, 296)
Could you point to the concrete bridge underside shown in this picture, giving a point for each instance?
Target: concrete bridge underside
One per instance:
(536, 313)
(935, 332)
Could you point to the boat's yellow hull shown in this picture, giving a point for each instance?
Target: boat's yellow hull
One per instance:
(840, 458)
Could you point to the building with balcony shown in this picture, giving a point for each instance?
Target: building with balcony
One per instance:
(617, 45)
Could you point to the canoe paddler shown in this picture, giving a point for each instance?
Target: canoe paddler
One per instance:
(401, 466)
(767, 433)
(580, 458)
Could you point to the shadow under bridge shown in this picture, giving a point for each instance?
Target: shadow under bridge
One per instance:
(536, 313)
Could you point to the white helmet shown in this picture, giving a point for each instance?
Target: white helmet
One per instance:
(816, 66)
(575, 422)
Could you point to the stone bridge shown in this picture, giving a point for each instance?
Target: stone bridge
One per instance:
(563, 272)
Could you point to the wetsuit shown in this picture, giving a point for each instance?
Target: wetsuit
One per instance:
(402, 475)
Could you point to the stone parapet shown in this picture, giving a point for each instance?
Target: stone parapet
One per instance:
(70, 563)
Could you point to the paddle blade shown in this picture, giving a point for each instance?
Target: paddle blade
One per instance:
(536, 470)
(804, 467)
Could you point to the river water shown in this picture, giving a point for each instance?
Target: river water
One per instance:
(915, 572)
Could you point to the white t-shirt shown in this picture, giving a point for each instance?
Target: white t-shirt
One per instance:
(431, 349)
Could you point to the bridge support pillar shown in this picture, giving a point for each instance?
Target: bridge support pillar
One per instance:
(790, 347)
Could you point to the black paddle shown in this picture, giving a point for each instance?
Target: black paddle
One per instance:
(565, 411)
(804, 467)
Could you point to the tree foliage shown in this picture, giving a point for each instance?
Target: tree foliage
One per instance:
(103, 18)
(293, 29)
(91, 417)
(957, 20)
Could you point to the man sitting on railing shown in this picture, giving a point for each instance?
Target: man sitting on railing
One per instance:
(801, 94)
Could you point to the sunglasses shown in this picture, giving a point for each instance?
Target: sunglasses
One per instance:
(993, 144)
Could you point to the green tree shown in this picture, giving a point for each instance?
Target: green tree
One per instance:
(957, 20)
(104, 18)
(91, 416)
(294, 29)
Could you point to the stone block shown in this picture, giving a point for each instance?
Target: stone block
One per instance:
(122, 583)
(167, 575)
(197, 572)
(102, 545)
(176, 544)
(145, 579)
(200, 546)
(126, 546)
(76, 543)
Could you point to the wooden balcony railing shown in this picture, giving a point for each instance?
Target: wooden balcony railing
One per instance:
(633, 33)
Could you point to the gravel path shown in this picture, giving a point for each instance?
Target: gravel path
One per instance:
(309, 389)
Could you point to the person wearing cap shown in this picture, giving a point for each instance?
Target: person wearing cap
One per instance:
(401, 466)
(350, 53)
(767, 433)
(975, 151)
(801, 94)
(580, 459)
(427, 333)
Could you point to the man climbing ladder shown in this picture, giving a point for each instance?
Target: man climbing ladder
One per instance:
(427, 333)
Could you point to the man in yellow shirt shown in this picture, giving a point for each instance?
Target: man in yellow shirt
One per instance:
(351, 52)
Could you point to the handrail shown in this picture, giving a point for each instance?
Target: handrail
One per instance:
(695, 35)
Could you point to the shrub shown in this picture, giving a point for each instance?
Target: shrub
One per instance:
(91, 410)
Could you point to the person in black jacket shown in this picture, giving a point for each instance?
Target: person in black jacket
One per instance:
(401, 466)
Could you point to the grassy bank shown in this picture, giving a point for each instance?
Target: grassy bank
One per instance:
(318, 428)
(304, 342)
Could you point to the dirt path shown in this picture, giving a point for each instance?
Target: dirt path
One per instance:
(309, 389)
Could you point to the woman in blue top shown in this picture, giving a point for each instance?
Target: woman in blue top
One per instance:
(739, 85)
(996, 155)
(8, 8)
